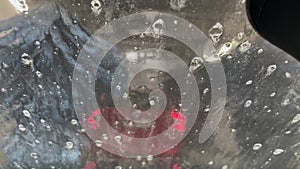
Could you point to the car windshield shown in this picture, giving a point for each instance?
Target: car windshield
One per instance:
(154, 84)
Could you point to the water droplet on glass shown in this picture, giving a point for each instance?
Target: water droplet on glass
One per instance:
(249, 82)
(39, 74)
(195, 63)
(142, 35)
(215, 32)
(296, 119)
(37, 43)
(288, 75)
(260, 51)
(138, 158)
(240, 35)
(26, 113)
(21, 127)
(34, 155)
(229, 56)
(4, 65)
(96, 7)
(3, 90)
(26, 59)
(272, 94)
(150, 157)
(271, 69)
(152, 102)
(177, 4)
(278, 151)
(288, 132)
(152, 79)
(225, 49)
(43, 121)
(105, 136)
(74, 122)
(98, 143)
(118, 138)
(257, 146)
(69, 145)
(134, 105)
(118, 87)
(225, 167)
(116, 122)
(158, 27)
(248, 103)
(125, 96)
(245, 46)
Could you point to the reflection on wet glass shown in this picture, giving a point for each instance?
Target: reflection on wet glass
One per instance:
(40, 44)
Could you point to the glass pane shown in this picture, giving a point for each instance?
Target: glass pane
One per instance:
(181, 84)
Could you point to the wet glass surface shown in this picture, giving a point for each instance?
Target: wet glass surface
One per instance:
(39, 47)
